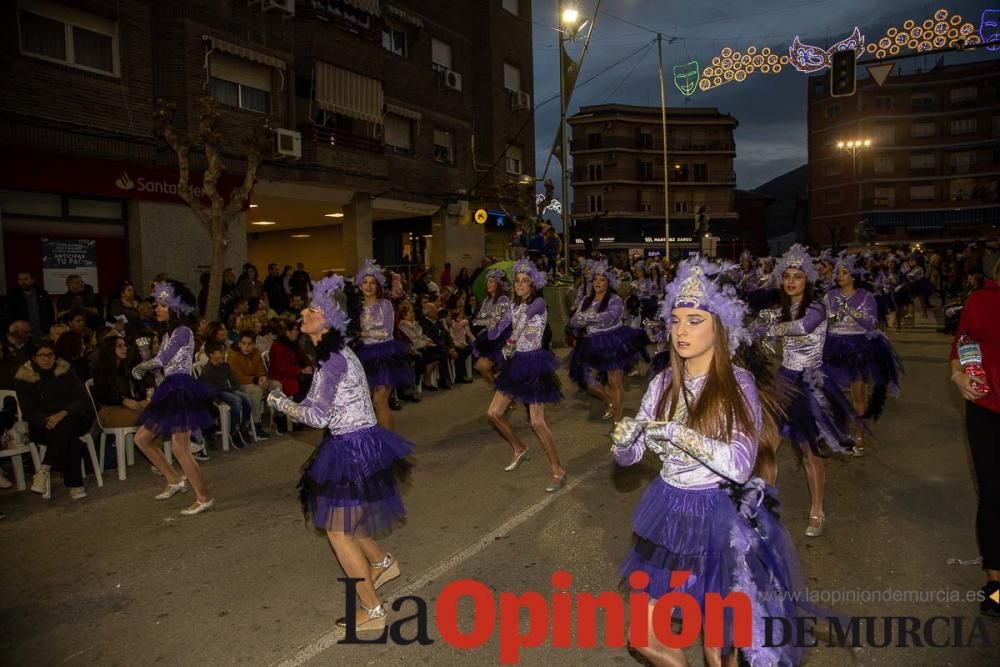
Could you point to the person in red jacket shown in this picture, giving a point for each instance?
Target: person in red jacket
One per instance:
(289, 364)
(981, 320)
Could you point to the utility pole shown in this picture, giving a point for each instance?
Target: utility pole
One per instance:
(666, 177)
(567, 201)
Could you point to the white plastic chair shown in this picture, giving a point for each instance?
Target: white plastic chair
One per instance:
(123, 438)
(224, 411)
(15, 453)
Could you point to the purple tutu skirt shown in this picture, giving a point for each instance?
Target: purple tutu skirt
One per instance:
(615, 350)
(349, 483)
(385, 364)
(815, 409)
(181, 403)
(862, 357)
(530, 377)
(729, 540)
(485, 348)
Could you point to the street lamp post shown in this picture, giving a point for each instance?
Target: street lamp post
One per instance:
(855, 146)
(569, 24)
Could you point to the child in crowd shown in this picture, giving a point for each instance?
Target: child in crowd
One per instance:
(218, 375)
(248, 368)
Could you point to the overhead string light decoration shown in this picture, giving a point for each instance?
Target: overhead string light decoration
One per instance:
(736, 66)
(932, 34)
(811, 59)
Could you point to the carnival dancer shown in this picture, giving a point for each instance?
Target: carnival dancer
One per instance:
(657, 283)
(892, 281)
(916, 285)
(489, 351)
(857, 353)
(826, 280)
(383, 357)
(528, 374)
(642, 288)
(745, 276)
(348, 487)
(765, 293)
(180, 404)
(609, 348)
(707, 514)
(816, 413)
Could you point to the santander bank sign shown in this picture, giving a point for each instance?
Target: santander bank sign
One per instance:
(161, 186)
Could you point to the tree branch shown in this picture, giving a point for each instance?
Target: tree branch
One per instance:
(210, 139)
(163, 126)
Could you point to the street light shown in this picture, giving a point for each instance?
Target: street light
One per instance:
(855, 146)
(570, 23)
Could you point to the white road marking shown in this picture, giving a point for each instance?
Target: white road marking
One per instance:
(331, 637)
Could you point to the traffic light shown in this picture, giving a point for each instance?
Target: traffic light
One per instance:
(842, 80)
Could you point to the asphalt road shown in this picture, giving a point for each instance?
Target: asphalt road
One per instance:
(119, 579)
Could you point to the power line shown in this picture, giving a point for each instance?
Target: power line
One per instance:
(620, 83)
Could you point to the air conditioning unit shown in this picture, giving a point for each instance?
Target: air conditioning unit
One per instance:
(286, 7)
(520, 101)
(288, 143)
(450, 79)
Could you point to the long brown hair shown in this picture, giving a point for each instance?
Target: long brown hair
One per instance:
(722, 407)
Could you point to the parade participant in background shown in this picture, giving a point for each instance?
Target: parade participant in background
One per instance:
(826, 281)
(859, 356)
(383, 357)
(764, 294)
(180, 403)
(981, 327)
(608, 348)
(488, 351)
(746, 275)
(916, 287)
(348, 485)
(706, 513)
(892, 283)
(529, 371)
(816, 413)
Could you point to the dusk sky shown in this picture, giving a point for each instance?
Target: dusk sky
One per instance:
(771, 109)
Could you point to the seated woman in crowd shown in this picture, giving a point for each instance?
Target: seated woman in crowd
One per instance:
(430, 355)
(125, 304)
(54, 403)
(71, 348)
(289, 364)
(119, 397)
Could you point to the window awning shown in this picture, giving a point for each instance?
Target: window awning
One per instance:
(242, 52)
(370, 6)
(403, 111)
(405, 16)
(346, 92)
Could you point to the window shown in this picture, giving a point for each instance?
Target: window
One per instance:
(444, 147)
(645, 203)
(962, 189)
(595, 172)
(593, 140)
(241, 83)
(440, 54)
(922, 130)
(923, 161)
(832, 198)
(513, 160)
(962, 163)
(645, 139)
(833, 168)
(884, 135)
(596, 203)
(883, 102)
(682, 207)
(965, 94)
(832, 111)
(700, 171)
(511, 78)
(885, 196)
(512, 6)
(395, 40)
(922, 192)
(964, 126)
(69, 36)
(680, 172)
(398, 134)
(922, 102)
(884, 165)
(643, 170)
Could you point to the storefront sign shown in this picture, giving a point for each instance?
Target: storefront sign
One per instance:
(67, 257)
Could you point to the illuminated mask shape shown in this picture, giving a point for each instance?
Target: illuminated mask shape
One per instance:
(686, 77)
(810, 59)
(989, 29)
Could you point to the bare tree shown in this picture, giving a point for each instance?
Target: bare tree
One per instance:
(217, 214)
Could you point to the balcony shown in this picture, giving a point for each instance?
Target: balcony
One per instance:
(654, 208)
(320, 134)
(615, 142)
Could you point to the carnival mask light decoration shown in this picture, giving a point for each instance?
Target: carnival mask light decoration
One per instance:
(810, 59)
(686, 78)
(989, 29)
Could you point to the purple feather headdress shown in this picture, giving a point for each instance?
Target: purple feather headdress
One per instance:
(797, 257)
(825, 256)
(697, 286)
(324, 299)
(640, 265)
(601, 268)
(849, 262)
(163, 292)
(370, 268)
(498, 275)
(528, 268)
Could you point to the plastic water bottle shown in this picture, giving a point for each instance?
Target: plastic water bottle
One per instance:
(970, 358)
